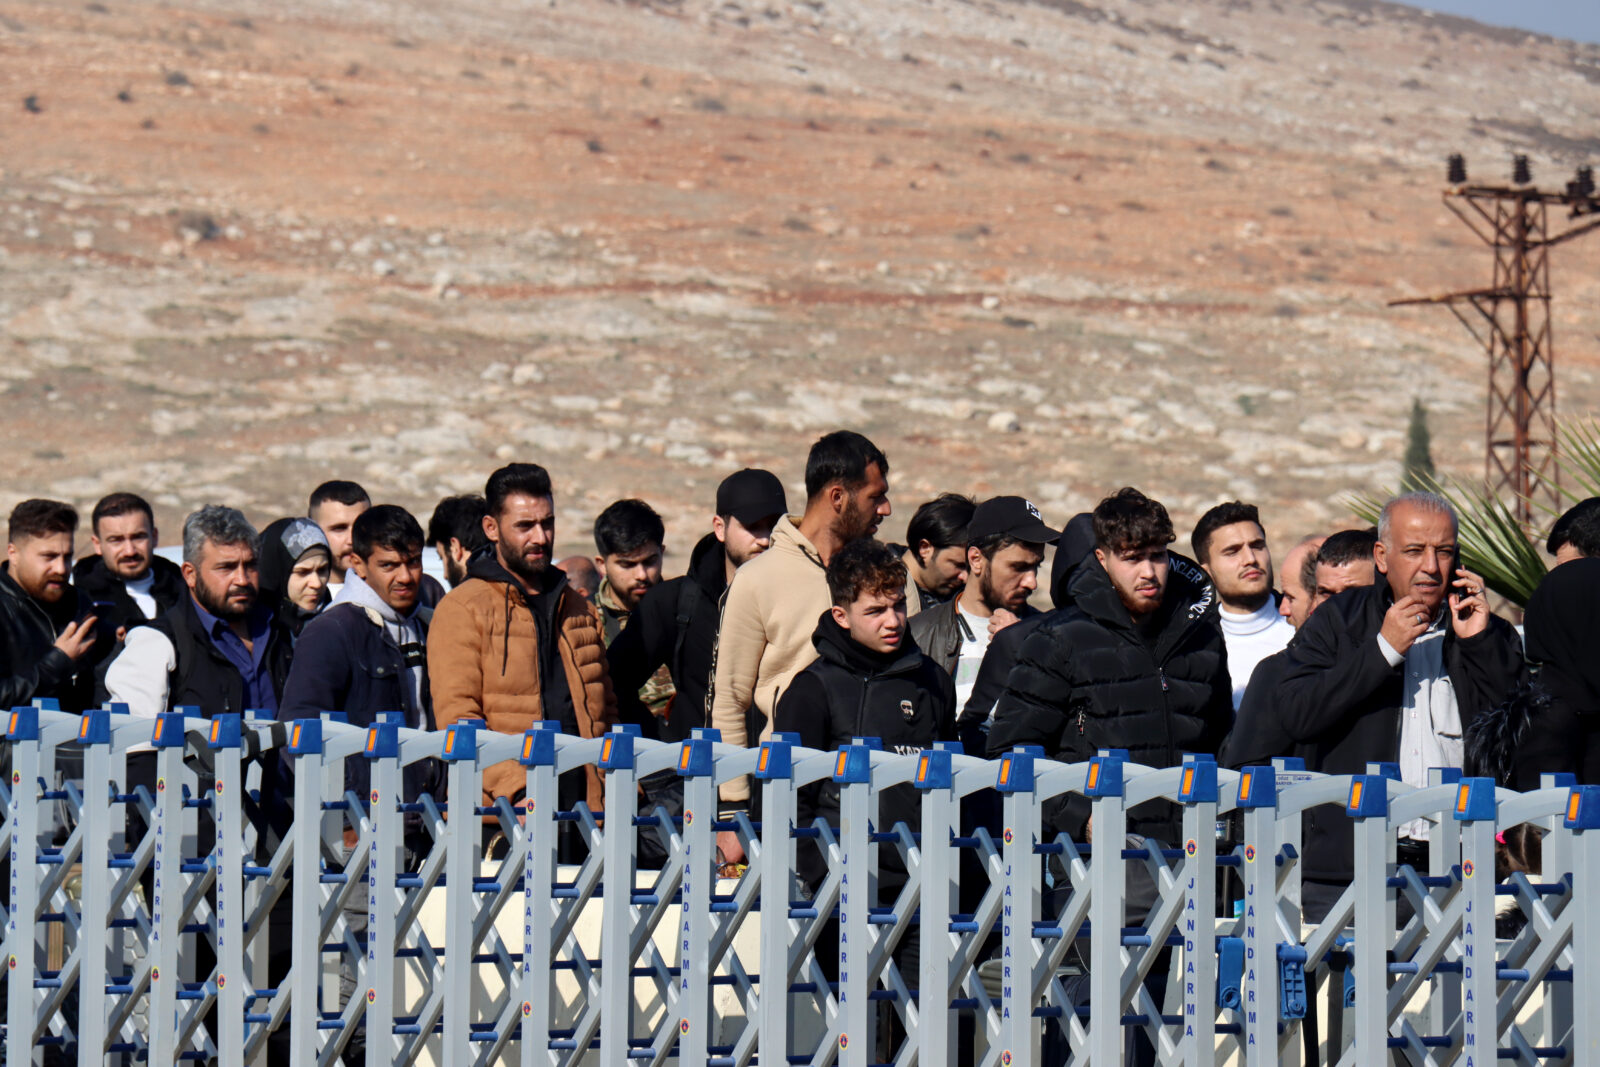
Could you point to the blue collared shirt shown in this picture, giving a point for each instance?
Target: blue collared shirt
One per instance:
(258, 692)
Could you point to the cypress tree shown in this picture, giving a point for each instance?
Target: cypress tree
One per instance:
(1417, 472)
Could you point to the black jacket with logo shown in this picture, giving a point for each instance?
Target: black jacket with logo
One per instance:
(902, 698)
(1089, 677)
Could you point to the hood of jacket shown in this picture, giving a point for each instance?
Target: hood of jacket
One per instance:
(1074, 549)
(833, 644)
(707, 566)
(358, 592)
(787, 538)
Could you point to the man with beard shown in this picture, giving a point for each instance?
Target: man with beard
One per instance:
(935, 553)
(1006, 540)
(675, 625)
(456, 532)
(126, 581)
(515, 644)
(773, 603)
(631, 540)
(676, 622)
(1125, 666)
(1231, 545)
(217, 648)
(48, 641)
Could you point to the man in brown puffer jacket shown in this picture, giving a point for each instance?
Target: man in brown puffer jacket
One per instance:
(500, 637)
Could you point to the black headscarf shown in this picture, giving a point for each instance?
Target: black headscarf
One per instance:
(1562, 625)
(278, 558)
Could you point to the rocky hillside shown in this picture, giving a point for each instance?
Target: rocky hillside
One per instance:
(1047, 248)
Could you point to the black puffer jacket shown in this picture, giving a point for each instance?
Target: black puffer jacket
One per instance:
(902, 698)
(1089, 677)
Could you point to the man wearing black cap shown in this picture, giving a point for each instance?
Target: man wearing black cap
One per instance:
(675, 623)
(1006, 540)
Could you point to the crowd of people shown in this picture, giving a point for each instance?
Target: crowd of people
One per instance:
(1364, 645)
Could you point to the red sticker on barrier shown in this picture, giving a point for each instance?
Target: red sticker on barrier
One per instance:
(1191, 846)
(1008, 835)
(1249, 853)
(527, 1008)
(688, 818)
(844, 1041)
(683, 1027)
(372, 996)
(155, 974)
(1467, 869)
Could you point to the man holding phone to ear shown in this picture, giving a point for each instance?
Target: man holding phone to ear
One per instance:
(1394, 672)
(49, 641)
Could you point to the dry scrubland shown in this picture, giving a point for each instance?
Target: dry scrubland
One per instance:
(1047, 248)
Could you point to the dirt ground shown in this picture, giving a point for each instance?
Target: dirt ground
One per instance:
(1045, 248)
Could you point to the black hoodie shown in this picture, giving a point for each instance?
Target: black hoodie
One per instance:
(903, 698)
(675, 624)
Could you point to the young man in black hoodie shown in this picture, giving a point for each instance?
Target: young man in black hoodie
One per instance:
(869, 680)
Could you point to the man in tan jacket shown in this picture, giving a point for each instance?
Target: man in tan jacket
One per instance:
(774, 602)
(515, 644)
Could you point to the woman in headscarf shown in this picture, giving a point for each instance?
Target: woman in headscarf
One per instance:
(1562, 627)
(295, 564)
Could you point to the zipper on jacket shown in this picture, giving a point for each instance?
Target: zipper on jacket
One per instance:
(1080, 722)
(1162, 674)
(861, 709)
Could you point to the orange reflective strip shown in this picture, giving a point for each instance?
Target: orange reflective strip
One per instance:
(372, 740)
(688, 753)
(216, 730)
(761, 760)
(1094, 775)
(1244, 786)
(1572, 807)
(1005, 770)
(1355, 794)
(294, 741)
(922, 769)
(1461, 799)
(449, 742)
(1188, 779)
(161, 724)
(605, 751)
(527, 748)
(838, 767)
(83, 730)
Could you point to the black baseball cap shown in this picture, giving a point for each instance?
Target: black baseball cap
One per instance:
(1013, 516)
(751, 495)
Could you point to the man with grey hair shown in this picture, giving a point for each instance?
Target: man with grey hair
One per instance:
(1394, 672)
(218, 648)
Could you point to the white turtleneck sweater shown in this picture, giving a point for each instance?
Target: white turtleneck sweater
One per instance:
(1250, 639)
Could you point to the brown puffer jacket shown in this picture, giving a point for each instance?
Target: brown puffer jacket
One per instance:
(484, 663)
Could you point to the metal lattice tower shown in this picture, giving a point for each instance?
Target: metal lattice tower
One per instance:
(1511, 320)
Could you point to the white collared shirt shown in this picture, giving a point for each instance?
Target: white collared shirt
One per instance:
(1430, 719)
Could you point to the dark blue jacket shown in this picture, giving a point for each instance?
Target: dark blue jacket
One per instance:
(344, 661)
